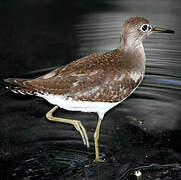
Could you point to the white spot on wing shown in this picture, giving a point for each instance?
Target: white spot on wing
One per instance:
(87, 93)
(119, 78)
(94, 72)
(135, 76)
(115, 77)
(110, 87)
(77, 75)
(49, 75)
(124, 91)
(83, 74)
(75, 83)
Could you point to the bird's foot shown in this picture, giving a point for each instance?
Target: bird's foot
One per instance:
(99, 160)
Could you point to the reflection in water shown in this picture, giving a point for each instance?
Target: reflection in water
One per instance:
(166, 81)
(143, 130)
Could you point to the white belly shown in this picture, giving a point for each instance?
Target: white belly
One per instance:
(85, 106)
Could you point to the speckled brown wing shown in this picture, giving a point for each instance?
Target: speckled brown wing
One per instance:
(99, 77)
(76, 79)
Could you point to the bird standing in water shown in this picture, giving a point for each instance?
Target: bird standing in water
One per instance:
(94, 83)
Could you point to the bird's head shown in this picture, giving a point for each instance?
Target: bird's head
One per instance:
(135, 29)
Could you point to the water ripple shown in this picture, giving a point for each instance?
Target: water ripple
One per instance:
(167, 81)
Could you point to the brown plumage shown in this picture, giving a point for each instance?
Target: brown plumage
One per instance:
(108, 73)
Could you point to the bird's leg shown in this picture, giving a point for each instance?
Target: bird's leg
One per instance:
(77, 124)
(96, 138)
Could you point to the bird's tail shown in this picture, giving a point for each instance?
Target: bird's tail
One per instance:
(18, 85)
(3, 85)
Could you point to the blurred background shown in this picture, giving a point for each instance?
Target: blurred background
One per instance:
(38, 36)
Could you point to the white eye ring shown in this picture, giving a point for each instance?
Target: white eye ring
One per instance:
(144, 27)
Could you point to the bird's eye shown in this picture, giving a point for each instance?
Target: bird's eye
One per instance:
(144, 27)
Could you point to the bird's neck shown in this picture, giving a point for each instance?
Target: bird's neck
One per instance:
(133, 46)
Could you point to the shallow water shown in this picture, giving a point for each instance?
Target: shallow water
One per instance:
(145, 129)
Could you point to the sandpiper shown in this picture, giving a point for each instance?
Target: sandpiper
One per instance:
(94, 83)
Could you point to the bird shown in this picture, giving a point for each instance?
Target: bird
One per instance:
(94, 83)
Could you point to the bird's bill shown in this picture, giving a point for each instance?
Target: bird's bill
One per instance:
(162, 30)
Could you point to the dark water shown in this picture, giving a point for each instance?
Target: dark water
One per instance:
(36, 37)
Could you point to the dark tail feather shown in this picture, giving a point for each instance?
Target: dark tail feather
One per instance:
(15, 81)
(3, 86)
(18, 85)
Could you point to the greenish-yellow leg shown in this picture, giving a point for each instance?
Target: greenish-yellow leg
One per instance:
(96, 138)
(77, 124)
